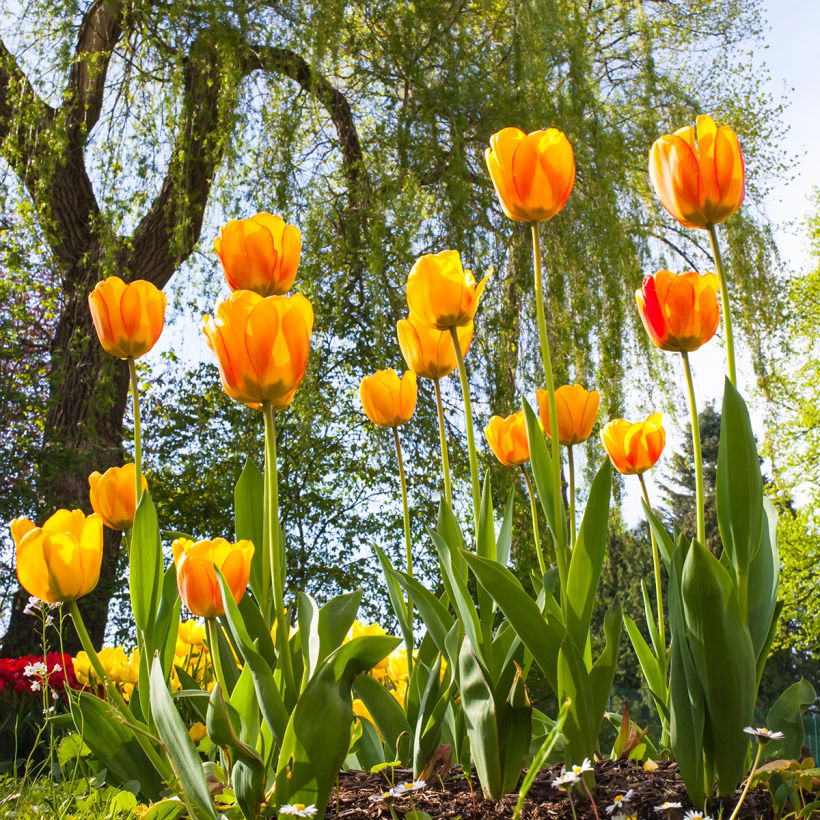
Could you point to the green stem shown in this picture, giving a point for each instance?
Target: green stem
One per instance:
(275, 549)
(408, 544)
(748, 781)
(656, 561)
(468, 422)
(534, 512)
(571, 460)
(550, 384)
(135, 402)
(696, 449)
(442, 436)
(724, 301)
(213, 639)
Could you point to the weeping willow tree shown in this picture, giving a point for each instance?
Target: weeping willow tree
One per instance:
(131, 129)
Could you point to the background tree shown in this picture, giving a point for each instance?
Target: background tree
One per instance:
(131, 129)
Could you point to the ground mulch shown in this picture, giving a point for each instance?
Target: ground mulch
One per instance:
(359, 795)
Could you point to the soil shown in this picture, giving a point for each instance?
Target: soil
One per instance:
(359, 795)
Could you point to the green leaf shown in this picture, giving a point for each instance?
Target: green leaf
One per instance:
(786, 715)
(764, 575)
(168, 809)
(248, 502)
(603, 670)
(739, 488)
(395, 596)
(504, 543)
(650, 666)
(145, 564)
(581, 727)
(335, 619)
(181, 752)
(385, 710)
(432, 705)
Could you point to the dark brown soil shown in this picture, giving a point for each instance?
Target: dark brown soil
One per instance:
(359, 795)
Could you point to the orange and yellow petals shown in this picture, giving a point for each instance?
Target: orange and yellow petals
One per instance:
(634, 448)
(388, 400)
(128, 318)
(576, 409)
(533, 174)
(507, 438)
(113, 496)
(429, 351)
(260, 254)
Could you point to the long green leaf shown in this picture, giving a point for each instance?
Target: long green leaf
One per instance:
(394, 595)
(650, 666)
(764, 575)
(145, 564)
(435, 615)
(248, 502)
(385, 710)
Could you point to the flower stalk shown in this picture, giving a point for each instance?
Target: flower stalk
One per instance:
(442, 435)
(135, 402)
(656, 562)
(696, 450)
(724, 301)
(571, 465)
(542, 566)
(408, 544)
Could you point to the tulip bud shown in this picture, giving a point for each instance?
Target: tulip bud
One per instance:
(701, 183)
(441, 293)
(533, 174)
(507, 438)
(388, 400)
(61, 560)
(634, 448)
(196, 563)
(113, 496)
(129, 317)
(680, 313)
(428, 351)
(259, 254)
(576, 409)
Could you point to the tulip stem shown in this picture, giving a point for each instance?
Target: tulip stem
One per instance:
(656, 561)
(408, 544)
(468, 423)
(558, 536)
(696, 449)
(275, 549)
(135, 401)
(542, 565)
(724, 301)
(571, 461)
(213, 639)
(442, 435)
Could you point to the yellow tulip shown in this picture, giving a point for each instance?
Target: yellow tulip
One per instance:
(129, 317)
(196, 563)
(533, 174)
(429, 351)
(634, 448)
(113, 496)
(577, 410)
(191, 633)
(259, 254)
(507, 438)
(388, 400)
(197, 732)
(441, 293)
(261, 346)
(59, 561)
(701, 183)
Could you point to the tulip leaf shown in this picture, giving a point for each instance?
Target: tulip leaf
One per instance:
(432, 705)
(739, 488)
(336, 618)
(764, 575)
(504, 542)
(395, 596)
(486, 548)
(580, 728)
(307, 615)
(385, 710)
(249, 496)
(181, 752)
(449, 530)
(652, 670)
(786, 715)
(435, 615)
(145, 564)
(603, 670)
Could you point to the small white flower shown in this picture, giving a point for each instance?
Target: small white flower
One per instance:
(36, 669)
(586, 766)
(32, 606)
(763, 734)
(619, 800)
(56, 668)
(405, 788)
(49, 621)
(668, 806)
(622, 815)
(298, 810)
(692, 814)
(55, 695)
(565, 779)
(35, 686)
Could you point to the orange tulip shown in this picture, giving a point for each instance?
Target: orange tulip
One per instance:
(388, 400)
(576, 409)
(113, 496)
(261, 346)
(259, 254)
(680, 313)
(428, 351)
(61, 560)
(701, 183)
(507, 438)
(129, 317)
(634, 448)
(441, 293)
(533, 174)
(196, 563)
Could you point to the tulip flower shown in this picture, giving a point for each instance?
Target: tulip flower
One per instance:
(533, 174)
(441, 293)
(259, 254)
(129, 317)
(680, 312)
(261, 346)
(507, 438)
(196, 562)
(429, 351)
(113, 496)
(388, 400)
(59, 561)
(634, 448)
(577, 410)
(700, 183)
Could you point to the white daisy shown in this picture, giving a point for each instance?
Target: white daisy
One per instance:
(565, 779)
(619, 800)
(668, 806)
(406, 788)
(298, 810)
(586, 766)
(763, 734)
(692, 814)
